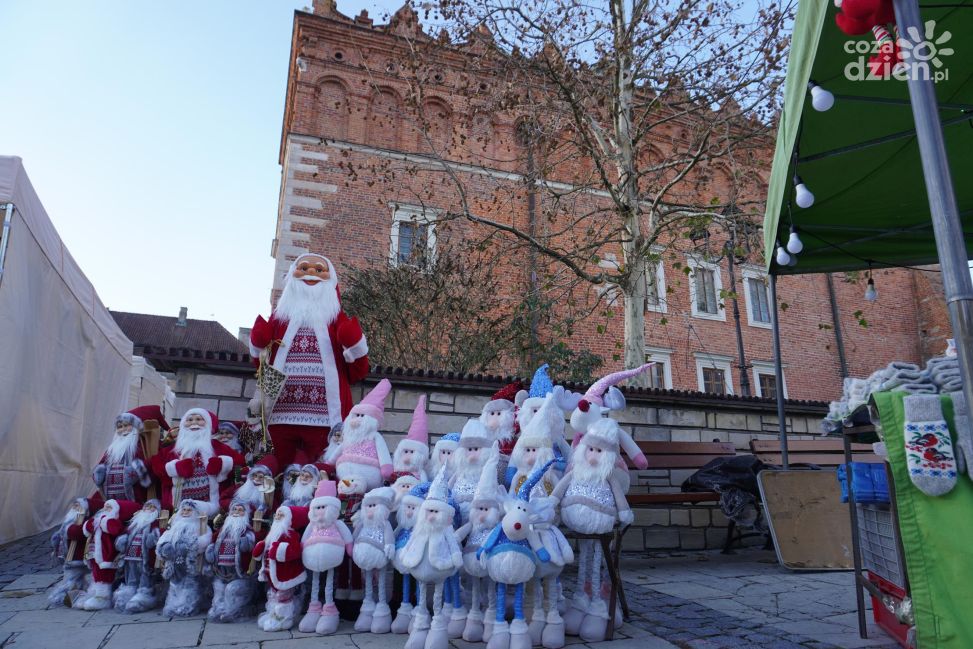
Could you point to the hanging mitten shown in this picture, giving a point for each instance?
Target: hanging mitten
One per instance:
(964, 435)
(928, 448)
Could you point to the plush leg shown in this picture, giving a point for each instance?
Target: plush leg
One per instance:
(218, 607)
(238, 600)
(364, 621)
(73, 580)
(263, 620)
(594, 626)
(447, 598)
(404, 614)
(328, 623)
(537, 617)
(382, 618)
(438, 636)
(420, 621)
(519, 634)
(490, 615)
(473, 629)
(126, 591)
(286, 609)
(579, 604)
(553, 636)
(310, 620)
(457, 620)
(500, 637)
(562, 601)
(271, 620)
(99, 596)
(145, 598)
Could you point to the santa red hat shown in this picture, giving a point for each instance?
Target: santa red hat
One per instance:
(296, 517)
(211, 419)
(326, 494)
(149, 413)
(418, 435)
(373, 403)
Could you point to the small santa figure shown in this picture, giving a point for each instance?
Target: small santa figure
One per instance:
(258, 490)
(101, 531)
(535, 447)
(321, 351)
(229, 433)
(401, 487)
(326, 543)
(121, 473)
(183, 547)
(348, 579)
(499, 417)
(443, 454)
(195, 466)
(412, 452)
(305, 484)
(67, 545)
(374, 548)
(471, 457)
(137, 547)
(364, 453)
(407, 509)
(529, 402)
(234, 590)
(592, 501)
(281, 567)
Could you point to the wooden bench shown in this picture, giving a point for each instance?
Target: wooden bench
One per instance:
(821, 452)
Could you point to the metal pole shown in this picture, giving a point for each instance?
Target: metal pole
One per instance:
(855, 540)
(839, 341)
(778, 373)
(950, 243)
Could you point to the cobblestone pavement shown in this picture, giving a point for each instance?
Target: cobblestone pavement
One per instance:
(691, 601)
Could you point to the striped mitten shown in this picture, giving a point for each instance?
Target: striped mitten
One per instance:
(964, 435)
(928, 448)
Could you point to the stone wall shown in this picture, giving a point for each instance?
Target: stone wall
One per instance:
(651, 416)
(224, 391)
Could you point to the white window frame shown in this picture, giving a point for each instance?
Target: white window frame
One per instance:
(660, 284)
(403, 213)
(748, 273)
(662, 356)
(720, 314)
(766, 367)
(718, 361)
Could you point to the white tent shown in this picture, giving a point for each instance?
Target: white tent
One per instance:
(64, 366)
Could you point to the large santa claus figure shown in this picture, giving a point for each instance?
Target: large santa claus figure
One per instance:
(196, 466)
(121, 473)
(321, 351)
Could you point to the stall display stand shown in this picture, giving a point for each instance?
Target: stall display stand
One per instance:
(865, 435)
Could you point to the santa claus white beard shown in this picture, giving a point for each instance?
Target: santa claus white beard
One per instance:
(308, 304)
(359, 433)
(323, 518)
(541, 457)
(190, 442)
(583, 471)
(505, 431)
(233, 526)
(100, 518)
(71, 518)
(250, 493)
(302, 491)
(277, 530)
(465, 468)
(122, 448)
(142, 520)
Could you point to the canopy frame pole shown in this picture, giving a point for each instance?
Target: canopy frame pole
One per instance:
(950, 243)
(779, 374)
(8, 212)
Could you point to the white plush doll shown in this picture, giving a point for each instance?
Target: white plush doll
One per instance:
(595, 405)
(431, 556)
(407, 509)
(402, 486)
(592, 502)
(511, 554)
(182, 546)
(546, 626)
(484, 514)
(412, 452)
(528, 403)
(374, 548)
(325, 543)
(442, 454)
(471, 456)
(229, 557)
(364, 453)
(535, 446)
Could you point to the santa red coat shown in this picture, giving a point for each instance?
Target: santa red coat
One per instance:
(348, 360)
(220, 472)
(101, 548)
(281, 563)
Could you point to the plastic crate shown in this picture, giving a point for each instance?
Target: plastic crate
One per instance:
(879, 543)
(869, 481)
(883, 617)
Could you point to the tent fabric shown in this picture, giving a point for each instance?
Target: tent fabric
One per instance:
(64, 373)
(939, 565)
(861, 159)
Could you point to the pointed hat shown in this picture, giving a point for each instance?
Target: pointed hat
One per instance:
(419, 427)
(537, 432)
(373, 403)
(487, 489)
(597, 390)
(541, 385)
(326, 494)
(438, 489)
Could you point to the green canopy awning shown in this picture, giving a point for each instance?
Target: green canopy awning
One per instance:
(861, 159)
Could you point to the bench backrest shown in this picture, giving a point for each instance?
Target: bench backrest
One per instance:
(823, 452)
(684, 455)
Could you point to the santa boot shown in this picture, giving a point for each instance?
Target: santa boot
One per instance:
(420, 629)
(328, 623)
(402, 618)
(217, 607)
(438, 636)
(285, 612)
(576, 613)
(473, 630)
(499, 636)
(266, 619)
(364, 622)
(553, 636)
(457, 623)
(537, 617)
(489, 621)
(310, 620)
(143, 600)
(381, 618)
(121, 597)
(100, 597)
(519, 635)
(238, 600)
(594, 626)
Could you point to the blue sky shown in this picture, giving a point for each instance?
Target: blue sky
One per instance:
(151, 131)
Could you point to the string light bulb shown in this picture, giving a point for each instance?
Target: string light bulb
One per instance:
(870, 293)
(783, 259)
(821, 99)
(794, 243)
(803, 196)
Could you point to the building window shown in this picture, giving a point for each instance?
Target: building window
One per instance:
(413, 236)
(655, 295)
(765, 380)
(705, 286)
(660, 374)
(714, 373)
(757, 297)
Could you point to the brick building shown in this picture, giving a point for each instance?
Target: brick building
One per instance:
(346, 108)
